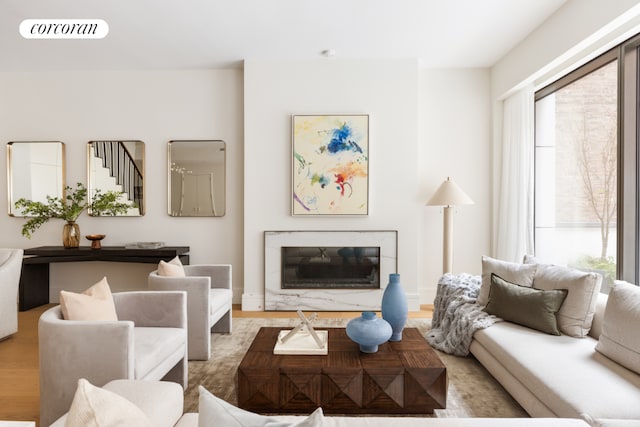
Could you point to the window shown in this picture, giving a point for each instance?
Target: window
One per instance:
(576, 169)
(587, 206)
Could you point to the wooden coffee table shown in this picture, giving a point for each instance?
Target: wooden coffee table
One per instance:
(405, 377)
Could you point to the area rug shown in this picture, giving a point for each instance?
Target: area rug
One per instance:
(472, 390)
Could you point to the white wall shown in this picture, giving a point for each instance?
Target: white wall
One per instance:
(152, 106)
(425, 125)
(388, 92)
(455, 135)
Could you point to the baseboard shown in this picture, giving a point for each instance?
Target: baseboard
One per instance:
(252, 302)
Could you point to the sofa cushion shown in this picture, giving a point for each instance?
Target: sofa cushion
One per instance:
(620, 339)
(156, 348)
(576, 314)
(566, 374)
(172, 268)
(95, 303)
(161, 401)
(520, 274)
(96, 407)
(526, 306)
(216, 412)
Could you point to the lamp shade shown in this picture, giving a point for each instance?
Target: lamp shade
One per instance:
(449, 194)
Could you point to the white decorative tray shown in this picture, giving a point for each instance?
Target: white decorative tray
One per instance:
(302, 343)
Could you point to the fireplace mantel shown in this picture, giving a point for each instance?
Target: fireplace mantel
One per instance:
(279, 299)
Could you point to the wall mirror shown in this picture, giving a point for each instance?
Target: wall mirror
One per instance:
(197, 178)
(35, 170)
(117, 166)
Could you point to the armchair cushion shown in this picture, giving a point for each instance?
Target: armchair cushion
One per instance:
(96, 407)
(95, 303)
(220, 299)
(157, 349)
(172, 268)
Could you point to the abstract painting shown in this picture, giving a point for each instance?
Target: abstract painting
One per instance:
(330, 165)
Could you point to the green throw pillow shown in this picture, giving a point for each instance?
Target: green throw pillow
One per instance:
(525, 306)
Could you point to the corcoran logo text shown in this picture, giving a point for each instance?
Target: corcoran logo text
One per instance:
(64, 28)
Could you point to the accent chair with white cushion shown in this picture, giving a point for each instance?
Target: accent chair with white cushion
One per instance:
(209, 298)
(10, 269)
(147, 342)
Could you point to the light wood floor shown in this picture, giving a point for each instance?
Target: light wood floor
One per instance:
(19, 384)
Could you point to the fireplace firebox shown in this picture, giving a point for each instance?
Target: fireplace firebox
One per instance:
(343, 267)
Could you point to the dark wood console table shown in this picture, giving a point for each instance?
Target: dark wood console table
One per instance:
(34, 281)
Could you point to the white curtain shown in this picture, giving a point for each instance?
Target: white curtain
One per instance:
(513, 236)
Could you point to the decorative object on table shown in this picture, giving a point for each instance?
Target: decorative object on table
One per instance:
(330, 165)
(448, 195)
(303, 339)
(369, 331)
(95, 240)
(395, 308)
(69, 209)
(144, 245)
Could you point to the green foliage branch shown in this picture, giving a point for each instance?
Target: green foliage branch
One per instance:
(70, 208)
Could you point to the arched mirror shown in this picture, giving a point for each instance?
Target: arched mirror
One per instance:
(197, 178)
(35, 170)
(118, 166)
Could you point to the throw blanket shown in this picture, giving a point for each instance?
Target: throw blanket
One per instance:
(456, 316)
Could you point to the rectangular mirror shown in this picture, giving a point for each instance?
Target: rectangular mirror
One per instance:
(35, 170)
(197, 178)
(117, 166)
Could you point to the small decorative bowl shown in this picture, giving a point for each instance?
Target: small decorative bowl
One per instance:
(95, 240)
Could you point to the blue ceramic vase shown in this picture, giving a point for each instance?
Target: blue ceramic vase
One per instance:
(369, 331)
(395, 309)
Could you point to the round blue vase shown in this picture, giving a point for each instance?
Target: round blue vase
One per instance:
(395, 309)
(369, 331)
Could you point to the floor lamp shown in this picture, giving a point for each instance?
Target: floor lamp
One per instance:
(448, 195)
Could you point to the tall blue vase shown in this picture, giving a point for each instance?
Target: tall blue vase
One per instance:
(395, 309)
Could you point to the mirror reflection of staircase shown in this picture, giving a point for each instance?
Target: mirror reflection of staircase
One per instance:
(114, 169)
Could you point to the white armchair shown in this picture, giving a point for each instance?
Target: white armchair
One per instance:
(148, 342)
(10, 269)
(209, 299)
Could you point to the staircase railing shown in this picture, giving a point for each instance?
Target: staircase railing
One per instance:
(122, 167)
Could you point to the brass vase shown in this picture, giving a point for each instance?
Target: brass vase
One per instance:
(71, 235)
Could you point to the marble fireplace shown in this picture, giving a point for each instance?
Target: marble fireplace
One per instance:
(328, 270)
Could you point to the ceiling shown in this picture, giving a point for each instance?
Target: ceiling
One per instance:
(193, 34)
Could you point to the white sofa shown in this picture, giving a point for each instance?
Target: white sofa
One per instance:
(560, 376)
(162, 402)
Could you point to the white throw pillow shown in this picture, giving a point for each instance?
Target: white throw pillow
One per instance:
(95, 407)
(172, 268)
(215, 412)
(513, 272)
(620, 340)
(95, 303)
(577, 310)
